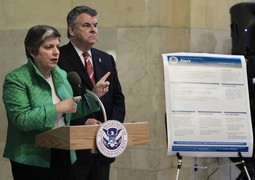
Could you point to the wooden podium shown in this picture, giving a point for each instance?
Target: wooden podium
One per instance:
(84, 136)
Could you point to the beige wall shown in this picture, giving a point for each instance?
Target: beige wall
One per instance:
(136, 33)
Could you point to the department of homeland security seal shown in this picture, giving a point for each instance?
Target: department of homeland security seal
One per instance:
(112, 138)
(173, 59)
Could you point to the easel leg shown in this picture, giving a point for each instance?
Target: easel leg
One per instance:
(244, 166)
(195, 168)
(179, 164)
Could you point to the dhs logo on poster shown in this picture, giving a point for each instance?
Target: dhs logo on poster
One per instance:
(112, 138)
(173, 59)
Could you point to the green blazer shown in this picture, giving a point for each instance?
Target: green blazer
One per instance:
(30, 111)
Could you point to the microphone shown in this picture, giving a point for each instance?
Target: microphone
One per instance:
(75, 81)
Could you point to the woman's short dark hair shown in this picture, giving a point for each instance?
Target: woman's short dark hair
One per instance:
(72, 16)
(36, 36)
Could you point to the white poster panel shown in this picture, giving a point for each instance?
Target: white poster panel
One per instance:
(207, 105)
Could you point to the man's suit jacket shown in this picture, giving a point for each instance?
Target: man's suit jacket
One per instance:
(113, 100)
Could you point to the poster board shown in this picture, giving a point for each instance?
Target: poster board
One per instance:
(207, 105)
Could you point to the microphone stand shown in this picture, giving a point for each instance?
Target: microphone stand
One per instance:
(100, 103)
(93, 151)
(75, 81)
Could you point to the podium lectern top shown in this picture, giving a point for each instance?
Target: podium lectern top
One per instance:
(84, 136)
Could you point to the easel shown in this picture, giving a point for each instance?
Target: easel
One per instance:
(196, 167)
(179, 165)
(244, 166)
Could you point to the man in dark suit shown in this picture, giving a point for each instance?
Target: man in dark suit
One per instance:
(82, 32)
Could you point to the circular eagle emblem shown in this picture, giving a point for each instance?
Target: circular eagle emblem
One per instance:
(173, 59)
(112, 138)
